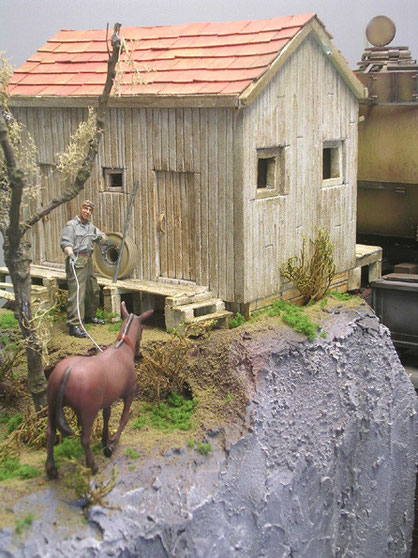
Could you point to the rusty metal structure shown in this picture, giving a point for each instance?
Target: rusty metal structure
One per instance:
(388, 138)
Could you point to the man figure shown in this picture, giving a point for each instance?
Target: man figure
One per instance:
(77, 240)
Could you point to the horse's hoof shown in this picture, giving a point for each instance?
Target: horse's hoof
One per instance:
(108, 451)
(52, 473)
(94, 469)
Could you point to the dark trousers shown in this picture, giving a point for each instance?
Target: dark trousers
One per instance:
(88, 294)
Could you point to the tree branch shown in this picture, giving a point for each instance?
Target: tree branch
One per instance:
(85, 169)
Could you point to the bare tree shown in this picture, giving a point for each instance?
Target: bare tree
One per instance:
(14, 227)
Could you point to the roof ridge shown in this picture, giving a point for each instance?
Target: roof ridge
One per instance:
(186, 25)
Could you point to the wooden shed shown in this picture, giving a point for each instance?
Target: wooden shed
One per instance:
(242, 136)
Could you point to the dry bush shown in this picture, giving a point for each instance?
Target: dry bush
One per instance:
(163, 371)
(312, 276)
(91, 491)
(32, 430)
(11, 385)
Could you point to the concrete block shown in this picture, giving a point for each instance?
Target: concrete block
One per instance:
(111, 300)
(354, 279)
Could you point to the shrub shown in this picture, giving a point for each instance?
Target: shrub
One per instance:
(312, 276)
(163, 371)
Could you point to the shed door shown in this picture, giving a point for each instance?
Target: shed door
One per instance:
(176, 230)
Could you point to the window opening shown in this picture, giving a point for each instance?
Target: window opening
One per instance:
(332, 163)
(265, 172)
(270, 172)
(114, 179)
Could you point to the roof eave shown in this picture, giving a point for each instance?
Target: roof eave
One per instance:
(316, 29)
(134, 101)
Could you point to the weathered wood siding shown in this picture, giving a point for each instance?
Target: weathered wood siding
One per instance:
(158, 147)
(306, 104)
(197, 214)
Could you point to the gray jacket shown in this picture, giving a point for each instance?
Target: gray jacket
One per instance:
(79, 236)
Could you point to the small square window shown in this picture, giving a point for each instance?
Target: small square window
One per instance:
(114, 179)
(270, 172)
(332, 163)
(265, 172)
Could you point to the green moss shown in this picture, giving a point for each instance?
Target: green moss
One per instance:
(107, 317)
(8, 321)
(343, 297)
(26, 522)
(11, 421)
(190, 444)
(12, 469)
(132, 454)
(114, 327)
(293, 316)
(204, 449)
(142, 419)
(174, 415)
(69, 447)
(5, 417)
(296, 319)
(236, 321)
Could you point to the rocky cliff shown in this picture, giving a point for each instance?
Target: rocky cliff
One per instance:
(321, 464)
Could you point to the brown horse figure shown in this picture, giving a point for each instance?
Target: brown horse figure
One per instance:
(90, 383)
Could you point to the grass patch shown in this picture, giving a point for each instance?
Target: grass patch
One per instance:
(68, 448)
(343, 297)
(24, 523)
(107, 317)
(132, 454)
(71, 448)
(12, 422)
(204, 449)
(295, 317)
(114, 327)
(236, 321)
(8, 321)
(174, 415)
(12, 469)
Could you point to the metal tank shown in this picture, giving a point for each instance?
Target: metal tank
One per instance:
(388, 138)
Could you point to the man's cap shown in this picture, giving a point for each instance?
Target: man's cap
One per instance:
(88, 203)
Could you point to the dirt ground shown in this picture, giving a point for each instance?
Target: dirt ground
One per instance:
(221, 398)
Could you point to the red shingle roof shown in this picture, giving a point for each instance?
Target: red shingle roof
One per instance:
(199, 58)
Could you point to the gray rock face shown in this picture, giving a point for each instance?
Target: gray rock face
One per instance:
(326, 467)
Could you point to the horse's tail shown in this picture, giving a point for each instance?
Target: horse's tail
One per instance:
(61, 420)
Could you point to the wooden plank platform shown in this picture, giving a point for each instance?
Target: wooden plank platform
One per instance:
(123, 285)
(174, 294)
